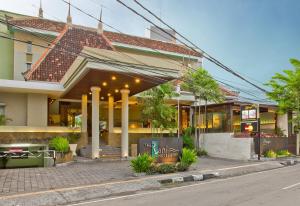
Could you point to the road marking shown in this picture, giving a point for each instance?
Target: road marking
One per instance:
(169, 189)
(117, 182)
(291, 186)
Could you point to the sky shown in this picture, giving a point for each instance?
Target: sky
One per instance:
(255, 38)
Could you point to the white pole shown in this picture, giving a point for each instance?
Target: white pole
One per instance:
(178, 110)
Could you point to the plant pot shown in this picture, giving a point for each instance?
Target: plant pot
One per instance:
(63, 157)
(73, 149)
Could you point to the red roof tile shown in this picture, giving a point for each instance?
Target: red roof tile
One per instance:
(50, 25)
(149, 43)
(55, 62)
(39, 23)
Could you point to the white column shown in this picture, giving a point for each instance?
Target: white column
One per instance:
(95, 121)
(110, 114)
(124, 136)
(84, 113)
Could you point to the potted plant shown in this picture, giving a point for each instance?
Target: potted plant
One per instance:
(61, 147)
(4, 120)
(73, 139)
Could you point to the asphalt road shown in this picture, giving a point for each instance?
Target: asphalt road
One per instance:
(269, 188)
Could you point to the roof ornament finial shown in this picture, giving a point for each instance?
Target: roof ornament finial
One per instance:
(100, 24)
(69, 17)
(41, 10)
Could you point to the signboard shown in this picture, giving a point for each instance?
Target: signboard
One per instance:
(249, 126)
(165, 150)
(249, 121)
(248, 113)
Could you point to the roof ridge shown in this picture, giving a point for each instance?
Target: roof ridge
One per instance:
(95, 29)
(45, 53)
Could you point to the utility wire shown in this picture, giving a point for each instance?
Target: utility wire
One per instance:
(95, 18)
(94, 57)
(205, 54)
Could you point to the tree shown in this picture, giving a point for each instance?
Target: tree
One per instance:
(286, 91)
(204, 87)
(155, 109)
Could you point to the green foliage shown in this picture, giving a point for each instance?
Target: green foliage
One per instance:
(187, 139)
(181, 167)
(202, 85)
(283, 153)
(188, 156)
(286, 91)
(143, 163)
(155, 109)
(166, 168)
(73, 138)
(270, 154)
(201, 152)
(59, 144)
(3, 120)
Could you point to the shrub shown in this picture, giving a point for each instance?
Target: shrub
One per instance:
(181, 167)
(188, 156)
(143, 163)
(187, 139)
(201, 152)
(166, 168)
(270, 154)
(59, 144)
(283, 153)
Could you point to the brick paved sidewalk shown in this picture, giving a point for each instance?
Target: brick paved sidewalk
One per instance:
(37, 179)
(23, 180)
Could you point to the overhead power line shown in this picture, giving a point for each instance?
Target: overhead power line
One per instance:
(95, 18)
(112, 63)
(205, 54)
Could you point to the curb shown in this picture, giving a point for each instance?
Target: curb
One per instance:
(189, 178)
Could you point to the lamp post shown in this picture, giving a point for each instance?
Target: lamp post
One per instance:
(178, 90)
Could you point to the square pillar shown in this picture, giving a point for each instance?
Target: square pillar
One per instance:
(95, 121)
(124, 136)
(110, 114)
(84, 100)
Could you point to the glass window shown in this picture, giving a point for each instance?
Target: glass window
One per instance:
(28, 65)
(29, 47)
(2, 110)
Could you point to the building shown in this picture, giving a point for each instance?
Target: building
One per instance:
(53, 72)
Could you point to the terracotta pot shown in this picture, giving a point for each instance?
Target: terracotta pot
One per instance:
(64, 157)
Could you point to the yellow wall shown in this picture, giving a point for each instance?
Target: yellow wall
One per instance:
(20, 49)
(25, 109)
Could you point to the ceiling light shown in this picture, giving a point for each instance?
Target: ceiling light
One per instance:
(104, 84)
(108, 94)
(137, 80)
(126, 86)
(116, 90)
(113, 77)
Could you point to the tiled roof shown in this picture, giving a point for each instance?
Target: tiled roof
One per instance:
(38, 23)
(55, 62)
(50, 25)
(149, 43)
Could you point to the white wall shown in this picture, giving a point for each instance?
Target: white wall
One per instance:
(283, 123)
(37, 106)
(224, 145)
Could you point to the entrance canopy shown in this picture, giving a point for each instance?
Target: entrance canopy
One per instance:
(113, 71)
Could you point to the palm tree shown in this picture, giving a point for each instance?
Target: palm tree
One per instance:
(204, 87)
